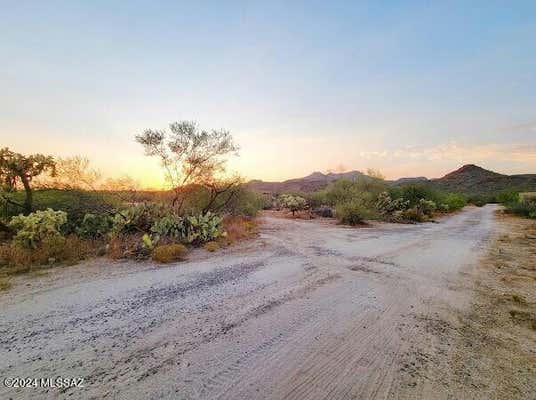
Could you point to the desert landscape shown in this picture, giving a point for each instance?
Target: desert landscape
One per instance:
(305, 310)
(268, 200)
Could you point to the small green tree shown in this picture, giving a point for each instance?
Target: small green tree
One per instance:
(454, 201)
(18, 169)
(293, 203)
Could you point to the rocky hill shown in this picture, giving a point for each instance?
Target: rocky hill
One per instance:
(472, 179)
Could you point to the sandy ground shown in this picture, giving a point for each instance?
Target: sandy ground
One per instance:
(306, 311)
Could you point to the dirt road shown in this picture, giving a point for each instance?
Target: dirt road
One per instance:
(306, 311)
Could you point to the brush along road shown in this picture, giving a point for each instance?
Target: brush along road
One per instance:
(308, 310)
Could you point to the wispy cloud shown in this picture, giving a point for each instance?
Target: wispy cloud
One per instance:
(452, 151)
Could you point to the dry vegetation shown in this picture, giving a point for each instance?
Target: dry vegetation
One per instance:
(55, 251)
(167, 253)
(5, 283)
(211, 246)
(237, 228)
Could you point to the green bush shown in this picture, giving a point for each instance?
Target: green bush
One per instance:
(36, 227)
(240, 200)
(344, 190)
(478, 200)
(525, 208)
(443, 207)
(415, 192)
(352, 212)
(507, 197)
(454, 201)
(94, 226)
(246, 202)
(76, 203)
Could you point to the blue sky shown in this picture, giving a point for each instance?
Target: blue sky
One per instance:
(410, 88)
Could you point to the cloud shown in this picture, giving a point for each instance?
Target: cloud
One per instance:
(520, 152)
(527, 127)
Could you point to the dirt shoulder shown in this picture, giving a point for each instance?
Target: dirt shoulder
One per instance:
(488, 350)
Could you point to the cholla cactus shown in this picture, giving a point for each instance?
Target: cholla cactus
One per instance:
(388, 207)
(293, 203)
(427, 207)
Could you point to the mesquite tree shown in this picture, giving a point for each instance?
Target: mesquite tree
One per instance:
(17, 169)
(191, 156)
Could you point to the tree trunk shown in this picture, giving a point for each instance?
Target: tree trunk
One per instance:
(28, 202)
(6, 229)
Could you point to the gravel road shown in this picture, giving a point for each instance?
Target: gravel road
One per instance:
(308, 310)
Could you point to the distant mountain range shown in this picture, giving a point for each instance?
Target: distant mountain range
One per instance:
(310, 183)
(469, 179)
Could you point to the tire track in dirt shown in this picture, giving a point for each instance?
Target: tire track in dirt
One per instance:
(309, 311)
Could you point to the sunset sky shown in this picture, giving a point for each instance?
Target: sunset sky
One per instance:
(405, 87)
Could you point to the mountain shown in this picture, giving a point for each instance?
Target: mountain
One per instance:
(402, 181)
(472, 179)
(310, 183)
(469, 179)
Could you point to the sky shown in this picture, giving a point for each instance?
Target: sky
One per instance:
(409, 88)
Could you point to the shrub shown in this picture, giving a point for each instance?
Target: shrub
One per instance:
(525, 208)
(127, 246)
(239, 200)
(94, 226)
(246, 202)
(292, 203)
(345, 190)
(32, 229)
(443, 207)
(413, 214)
(169, 252)
(52, 250)
(211, 246)
(76, 203)
(478, 200)
(237, 228)
(5, 284)
(414, 192)
(454, 201)
(324, 212)
(427, 207)
(352, 212)
(507, 197)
